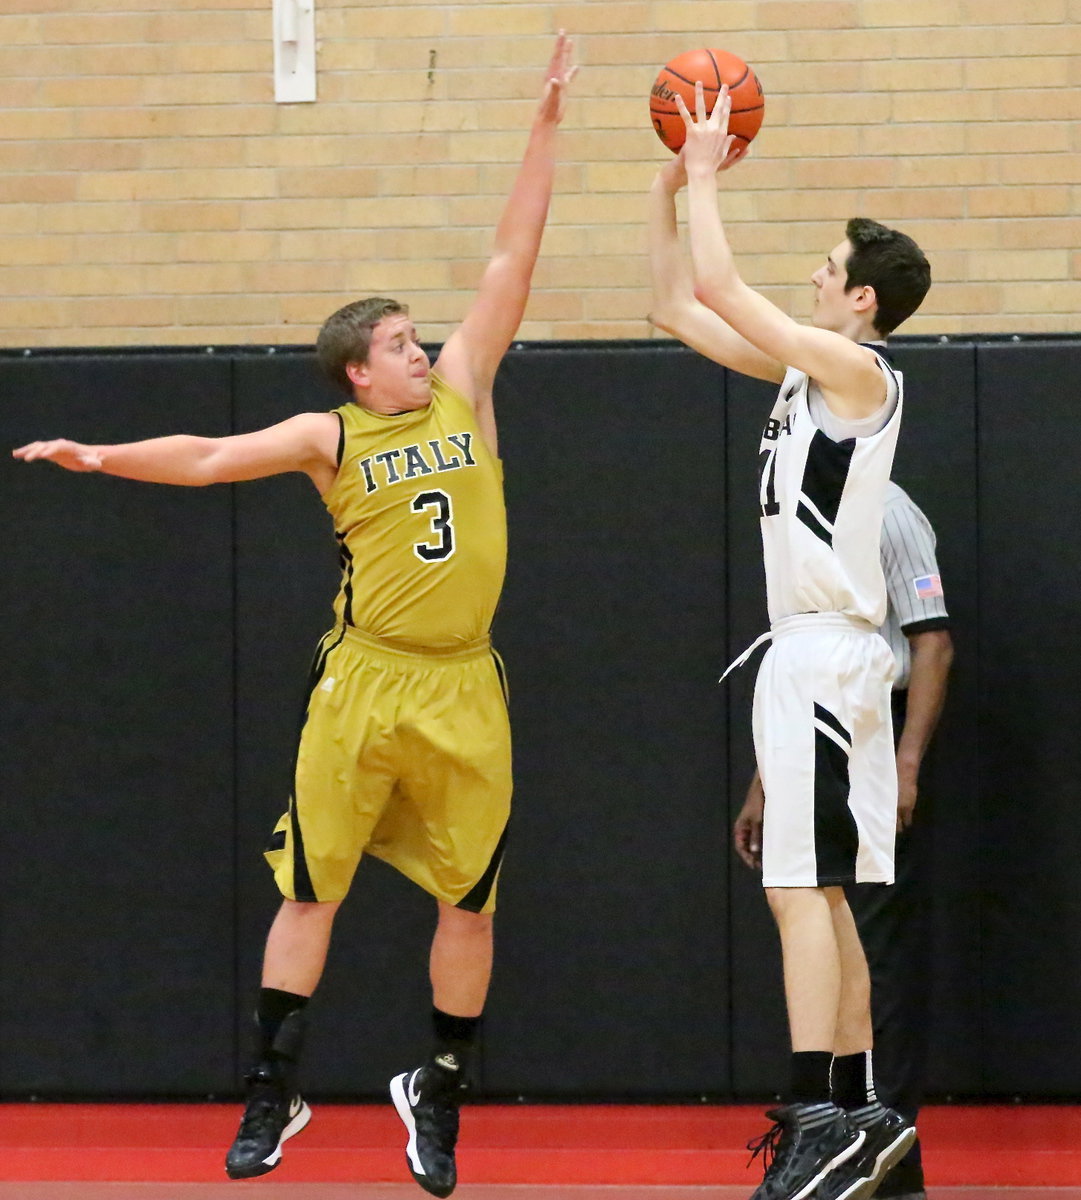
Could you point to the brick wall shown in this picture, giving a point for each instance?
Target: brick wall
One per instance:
(152, 192)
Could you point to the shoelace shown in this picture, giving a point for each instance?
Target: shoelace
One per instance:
(766, 1145)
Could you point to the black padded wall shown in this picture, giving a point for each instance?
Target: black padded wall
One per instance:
(1029, 715)
(116, 914)
(612, 936)
(157, 642)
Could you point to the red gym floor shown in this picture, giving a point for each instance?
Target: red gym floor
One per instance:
(602, 1152)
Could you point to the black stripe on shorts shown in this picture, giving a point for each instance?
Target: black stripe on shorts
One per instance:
(478, 894)
(836, 835)
(302, 881)
(501, 672)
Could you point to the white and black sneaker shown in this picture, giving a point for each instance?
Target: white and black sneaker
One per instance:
(427, 1101)
(888, 1141)
(271, 1116)
(806, 1143)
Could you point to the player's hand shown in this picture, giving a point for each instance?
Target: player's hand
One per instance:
(72, 456)
(674, 173)
(709, 147)
(747, 831)
(558, 78)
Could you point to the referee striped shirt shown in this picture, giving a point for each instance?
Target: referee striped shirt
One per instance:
(913, 585)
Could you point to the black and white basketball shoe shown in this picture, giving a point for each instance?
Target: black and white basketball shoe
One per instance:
(273, 1113)
(806, 1143)
(904, 1182)
(273, 1108)
(887, 1142)
(427, 1101)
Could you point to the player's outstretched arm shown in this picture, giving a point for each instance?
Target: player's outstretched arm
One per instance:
(472, 354)
(306, 443)
(848, 373)
(675, 308)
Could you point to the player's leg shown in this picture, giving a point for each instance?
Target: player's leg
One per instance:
(873, 800)
(892, 924)
(810, 1135)
(460, 964)
(812, 965)
(887, 1135)
(340, 788)
(427, 1098)
(450, 841)
(296, 953)
(296, 948)
(853, 1033)
(807, 841)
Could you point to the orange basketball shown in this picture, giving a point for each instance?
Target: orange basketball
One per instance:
(713, 67)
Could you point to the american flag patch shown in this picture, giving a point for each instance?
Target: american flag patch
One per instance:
(927, 586)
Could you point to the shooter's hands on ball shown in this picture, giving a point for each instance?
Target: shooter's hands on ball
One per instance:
(559, 76)
(674, 173)
(72, 456)
(709, 147)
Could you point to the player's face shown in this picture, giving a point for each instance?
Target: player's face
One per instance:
(396, 377)
(831, 310)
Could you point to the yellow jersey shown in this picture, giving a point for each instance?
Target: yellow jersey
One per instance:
(421, 523)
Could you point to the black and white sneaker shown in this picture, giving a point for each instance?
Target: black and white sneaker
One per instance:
(887, 1142)
(807, 1141)
(427, 1101)
(904, 1181)
(271, 1116)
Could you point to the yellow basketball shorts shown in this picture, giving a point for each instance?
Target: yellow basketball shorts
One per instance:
(405, 756)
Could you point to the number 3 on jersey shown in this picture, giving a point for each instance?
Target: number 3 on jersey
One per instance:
(441, 526)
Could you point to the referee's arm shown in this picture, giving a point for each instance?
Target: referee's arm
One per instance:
(932, 654)
(908, 554)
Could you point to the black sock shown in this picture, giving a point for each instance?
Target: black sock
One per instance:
(811, 1077)
(849, 1078)
(274, 1006)
(455, 1041)
(854, 1088)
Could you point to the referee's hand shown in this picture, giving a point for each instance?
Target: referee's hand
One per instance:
(906, 798)
(747, 831)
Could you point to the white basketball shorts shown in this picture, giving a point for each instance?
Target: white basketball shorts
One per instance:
(823, 736)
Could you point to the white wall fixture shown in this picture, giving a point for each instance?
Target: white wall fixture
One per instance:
(294, 50)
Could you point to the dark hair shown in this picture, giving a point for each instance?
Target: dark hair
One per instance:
(346, 336)
(893, 265)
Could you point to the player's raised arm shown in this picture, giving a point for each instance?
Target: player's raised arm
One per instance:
(306, 443)
(473, 352)
(847, 372)
(675, 308)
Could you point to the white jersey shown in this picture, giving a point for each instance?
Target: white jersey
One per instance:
(821, 504)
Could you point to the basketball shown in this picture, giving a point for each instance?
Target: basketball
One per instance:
(713, 67)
